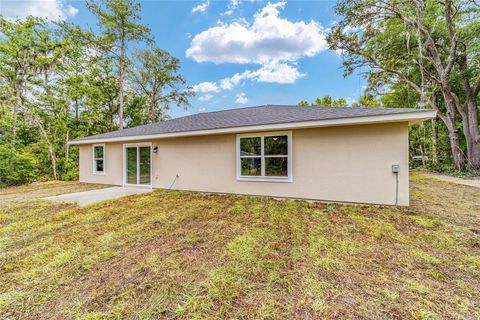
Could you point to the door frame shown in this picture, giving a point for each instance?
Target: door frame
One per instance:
(133, 145)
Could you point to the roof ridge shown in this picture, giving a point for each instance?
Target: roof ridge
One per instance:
(283, 106)
(225, 110)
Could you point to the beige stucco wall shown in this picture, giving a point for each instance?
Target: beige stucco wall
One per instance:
(348, 164)
(113, 168)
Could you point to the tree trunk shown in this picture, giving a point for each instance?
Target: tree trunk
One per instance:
(474, 156)
(121, 81)
(67, 146)
(422, 152)
(16, 106)
(153, 111)
(76, 108)
(451, 106)
(112, 115)
(470, 112)
(51, 150)
(474, 134)
(434, 141)
(53, 158)
(458, 157)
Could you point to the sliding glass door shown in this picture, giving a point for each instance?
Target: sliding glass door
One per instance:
(138, 165)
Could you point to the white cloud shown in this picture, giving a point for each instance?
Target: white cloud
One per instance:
(274, 43)
(232, 5)
(229, 83)
(241, 98)
(201, 7)
(53, 10)
(205, 97)
(269, 38)
(277, 73)
(202, 110)
(273, 73)
(206, 87)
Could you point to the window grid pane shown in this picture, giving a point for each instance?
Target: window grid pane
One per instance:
(99, 159)
(276, 145)
(99, 152)
(250, 166)
(99, 165)
(276, 166)
(250, 146)
(272, 160)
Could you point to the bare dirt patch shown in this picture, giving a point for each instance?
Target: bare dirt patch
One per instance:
(38, 190)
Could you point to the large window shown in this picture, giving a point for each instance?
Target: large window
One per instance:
(99, 159)
(264, 156)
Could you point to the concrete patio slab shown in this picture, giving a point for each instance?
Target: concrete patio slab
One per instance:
(88, 197)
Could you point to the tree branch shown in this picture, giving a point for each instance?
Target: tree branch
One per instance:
(476, 87)
(449, 18)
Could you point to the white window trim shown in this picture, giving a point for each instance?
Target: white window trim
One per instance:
(264, 178)
(142, 144)
(95, 172)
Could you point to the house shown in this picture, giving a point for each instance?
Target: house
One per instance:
(334, 154)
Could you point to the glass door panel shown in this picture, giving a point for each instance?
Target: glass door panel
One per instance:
(138, 165)
(131, 165)
(144, 165)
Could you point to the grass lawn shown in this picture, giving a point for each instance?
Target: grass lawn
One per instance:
(170, 254)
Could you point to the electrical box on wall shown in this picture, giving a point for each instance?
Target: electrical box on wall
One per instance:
(395, 168)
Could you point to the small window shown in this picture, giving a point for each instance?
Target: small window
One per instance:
(264, 157)
(99, 159)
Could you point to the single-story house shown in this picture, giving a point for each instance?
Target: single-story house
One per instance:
(320, 153)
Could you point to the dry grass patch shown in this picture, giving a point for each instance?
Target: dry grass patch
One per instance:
(186, 255)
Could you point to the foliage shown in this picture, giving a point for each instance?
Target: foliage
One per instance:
(119, 23)
(59, 82)
(427, 45)
(17, 165)
(157, 78)
(326, 101)
(367, 101)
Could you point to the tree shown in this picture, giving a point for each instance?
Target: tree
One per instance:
(118, 20)
(326, 101)
(427, 45)
(20, 159)
(157, 77)
(424, 138)
(17, 61)
(26, 53)
(58, 82)
(367, 101)
(101, 97)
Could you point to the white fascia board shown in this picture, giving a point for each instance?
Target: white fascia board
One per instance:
(410, 117)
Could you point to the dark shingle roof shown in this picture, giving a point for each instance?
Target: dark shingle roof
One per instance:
(251, 116)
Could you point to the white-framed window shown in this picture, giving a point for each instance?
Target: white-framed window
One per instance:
(99, 165)
(265, 156)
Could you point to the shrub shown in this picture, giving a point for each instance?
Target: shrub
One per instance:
(17, 165)
(71, 170)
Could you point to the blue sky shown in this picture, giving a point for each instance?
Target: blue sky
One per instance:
(235, 53)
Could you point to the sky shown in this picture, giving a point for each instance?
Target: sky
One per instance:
(234, 53)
